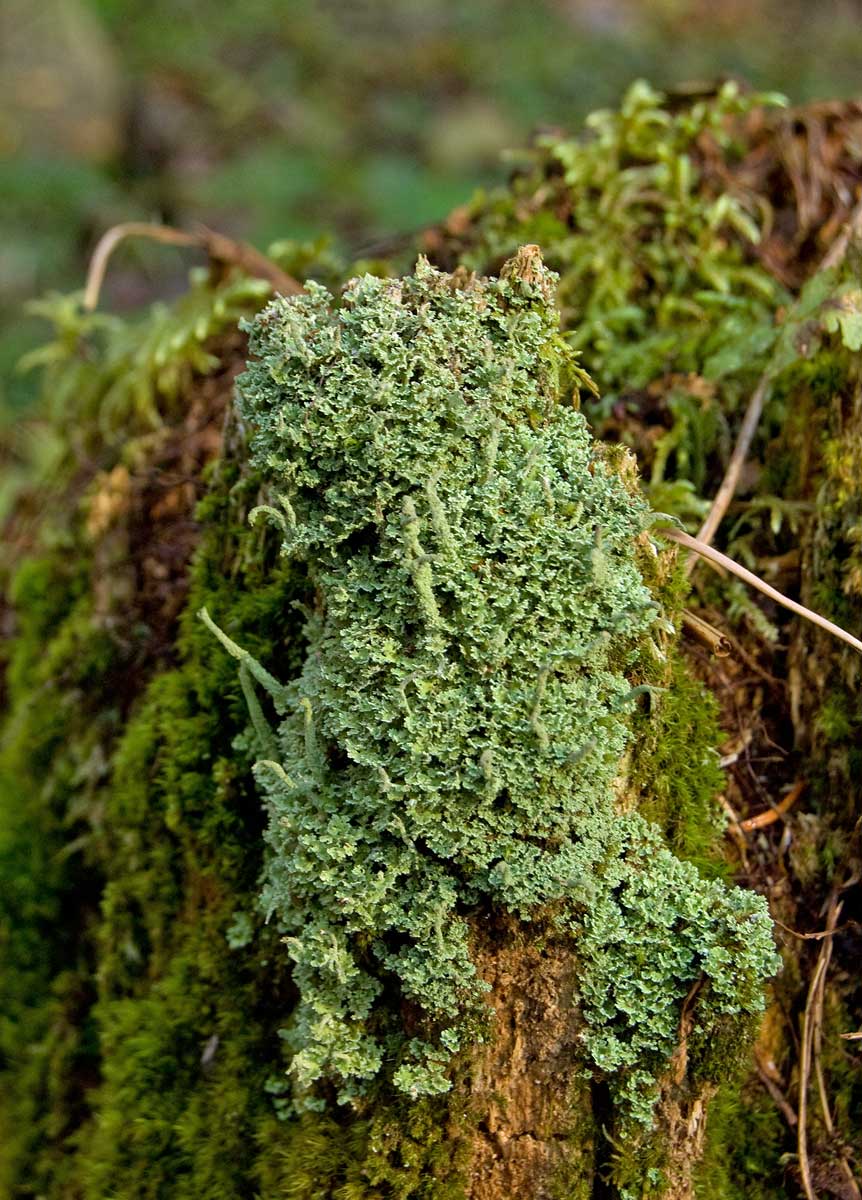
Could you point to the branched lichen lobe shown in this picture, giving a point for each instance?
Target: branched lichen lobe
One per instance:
(456, 735)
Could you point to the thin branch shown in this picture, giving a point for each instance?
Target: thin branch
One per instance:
(715, 556)
(715, 641)
(775, 1092)
(818, 937)
(806, 1049)
(219, 247)
(812, 1035)
(735, 831)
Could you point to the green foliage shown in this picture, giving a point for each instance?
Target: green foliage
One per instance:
(51, 756)
(457, 730)
(112, 374)
(421, 454)
(132, 1027)
(409, 1150)
(745, 1139)
(676, 767)
(648, 275)
(656, 287)
(187, 1022)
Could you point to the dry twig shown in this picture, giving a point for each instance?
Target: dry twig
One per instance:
(761, 820)
(817, 937)
(769, 1080)
(838, 249)
(715, 641)
(809, 1058)
(219, 247)
(726, 491)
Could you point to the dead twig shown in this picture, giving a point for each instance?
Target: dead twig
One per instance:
(715, 556)
(761, 820)
(817, 937)
(735, 831)
(806, 1050)
(220, 248)
(715, 641)
(769, 1082)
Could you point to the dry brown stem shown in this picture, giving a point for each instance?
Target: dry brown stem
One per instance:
(715, 641)
(751, 420)
(810, 1059)
(769, 1079)
(761, 820)
(838, 249)
(727, 489)
(220, 248)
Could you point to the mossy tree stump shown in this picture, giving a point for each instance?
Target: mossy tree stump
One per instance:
(552, 1008)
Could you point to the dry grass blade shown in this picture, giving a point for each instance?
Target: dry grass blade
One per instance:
(811, 1040)
(722, 560)
(838, 248)
(726, 491)
(769, 1078)
(813, 1004)
(818, 937)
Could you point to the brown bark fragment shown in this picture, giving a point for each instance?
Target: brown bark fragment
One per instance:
(527, 1081)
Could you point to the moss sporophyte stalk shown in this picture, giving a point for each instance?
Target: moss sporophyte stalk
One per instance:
(457, 737)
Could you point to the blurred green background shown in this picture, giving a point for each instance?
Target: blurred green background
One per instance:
(295, 118)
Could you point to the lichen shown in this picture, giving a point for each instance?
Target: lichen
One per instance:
(457, 731)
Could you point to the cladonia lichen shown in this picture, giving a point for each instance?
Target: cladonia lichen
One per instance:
(455, 740)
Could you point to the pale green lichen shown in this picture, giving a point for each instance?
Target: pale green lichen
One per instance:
(456, 734)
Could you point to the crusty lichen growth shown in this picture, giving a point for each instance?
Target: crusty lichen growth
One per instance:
(458, 728)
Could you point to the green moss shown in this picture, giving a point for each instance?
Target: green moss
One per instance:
(51, 756)
(745, 1140)
(146, 838)
(108, 379)
(676, 767)
(656, 284)
(411, 1150)
(185, 1022)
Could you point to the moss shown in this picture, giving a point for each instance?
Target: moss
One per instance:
(657, 287)
(185, 1036)
(676, 768)
(411, 1150)
(187, 1023)
(150, 833)
(746, 1137)
(134, 1027)
(51, 758)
